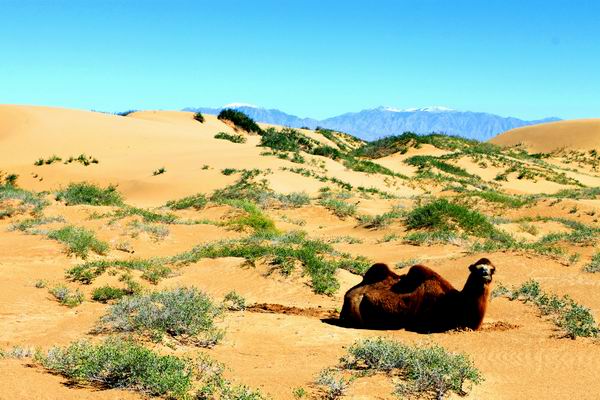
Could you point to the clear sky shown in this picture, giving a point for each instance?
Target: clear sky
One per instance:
(526, 58)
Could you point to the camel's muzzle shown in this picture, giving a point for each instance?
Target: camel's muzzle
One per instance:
(485, 272)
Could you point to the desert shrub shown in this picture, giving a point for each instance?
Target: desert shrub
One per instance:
(50, 160)
(147, 215)
(233, 301)
(83, 159)
(88, 271)
(66, 297)
(332, 384)
(105, 293)
(594, 265)
(27, 225)
(286, 139)
(381, 220)
(125, 113)
(8, 191)
(574, 319)
(156, 232)
(185, 314)
(297, 158)
(245, 188)
(240, 120)
(424, 370)
(429, 238)
(367, 166)
(196, 201)
(294, 199)
(79, 241)
(234, 138)
(501, 198)
(252, 218)
(17, 352)
(327, 151)
(88, 193)
(423, 162)
(339, 207)
(118, 363)
(228, 171)
(580, 193)
(199, 117)
(159, 171)
(442, 215)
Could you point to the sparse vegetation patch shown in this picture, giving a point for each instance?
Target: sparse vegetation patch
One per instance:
(422, 371)
(88, 193)
(234, 138)
(186, 314)
(574, 319)
(79, 241)
(240, 120)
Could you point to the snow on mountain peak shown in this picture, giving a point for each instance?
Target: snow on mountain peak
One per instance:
(237, 105)
(432, 109)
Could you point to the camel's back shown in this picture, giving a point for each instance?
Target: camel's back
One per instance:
(422, 278)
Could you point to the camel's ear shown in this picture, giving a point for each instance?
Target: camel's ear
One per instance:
(472, 267)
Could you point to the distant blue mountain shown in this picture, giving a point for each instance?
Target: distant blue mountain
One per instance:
(385, 121)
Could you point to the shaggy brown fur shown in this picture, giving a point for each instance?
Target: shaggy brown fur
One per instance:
(420, 300)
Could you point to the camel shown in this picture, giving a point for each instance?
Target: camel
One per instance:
(420, 301)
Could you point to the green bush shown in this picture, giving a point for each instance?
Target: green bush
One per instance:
(338, 207)
(286, 139)
(240, 120)
(185, 314)
(245, 188)
(294, 199)
(196, 201)
(234, 301)
(87, 272)
(594, 265)
(425, 370)
(10, 192)
(253, 218)
(87, 193)
(147, 215)
(573, 318)
(234, 138)
(66, 297)
(79, 241)
(105, 293)
(381, 220)
(118, 363)
(442, 215)
(327, 151)
(501, 198)
(424, 162)
(159, 171)
(368, 166)
(199, 117)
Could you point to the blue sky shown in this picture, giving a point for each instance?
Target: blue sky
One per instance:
(528, 59)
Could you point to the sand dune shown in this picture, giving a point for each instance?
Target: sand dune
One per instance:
(279, 352)
(583, 134)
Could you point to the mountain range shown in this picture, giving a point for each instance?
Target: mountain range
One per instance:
(385, 121)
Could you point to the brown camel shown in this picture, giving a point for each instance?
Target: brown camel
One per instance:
(420, 300)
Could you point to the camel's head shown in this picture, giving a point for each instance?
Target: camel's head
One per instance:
(483, 269)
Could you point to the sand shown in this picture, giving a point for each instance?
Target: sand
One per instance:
(583, 134)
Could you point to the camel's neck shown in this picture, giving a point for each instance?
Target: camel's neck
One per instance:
(474, 298)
